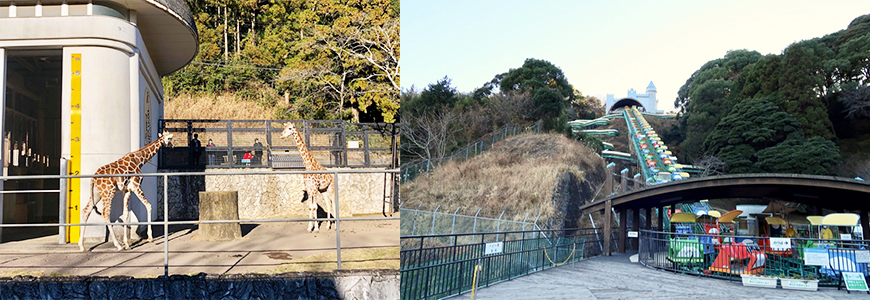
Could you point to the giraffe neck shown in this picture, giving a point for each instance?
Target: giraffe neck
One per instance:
(307, 158)
(141, 156)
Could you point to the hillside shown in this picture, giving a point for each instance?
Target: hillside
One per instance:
(217, 107)
(547, 174)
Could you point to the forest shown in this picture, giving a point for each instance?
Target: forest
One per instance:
(331, 59)
(806, 110)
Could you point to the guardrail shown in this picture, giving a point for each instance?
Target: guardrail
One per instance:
(442, 265)
(729, 257)
(62, 224)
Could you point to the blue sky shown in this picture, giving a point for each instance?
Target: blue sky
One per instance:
(602, 46)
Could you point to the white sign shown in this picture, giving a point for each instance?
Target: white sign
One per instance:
(632, 234)
(862, 256)
(493, 248)
(846, 236)
(780, 244)
(815, 257)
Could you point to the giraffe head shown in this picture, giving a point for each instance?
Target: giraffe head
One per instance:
(165, 139)
(289, 129)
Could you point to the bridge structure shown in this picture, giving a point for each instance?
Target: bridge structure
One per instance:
(829, 192)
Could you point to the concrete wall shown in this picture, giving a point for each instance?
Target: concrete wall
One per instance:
(369, 284)
(273, 195)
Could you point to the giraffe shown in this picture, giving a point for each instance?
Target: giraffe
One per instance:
(315, 184)
(104, 188)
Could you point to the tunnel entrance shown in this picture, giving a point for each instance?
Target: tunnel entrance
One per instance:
(626, 102)
(32, 138)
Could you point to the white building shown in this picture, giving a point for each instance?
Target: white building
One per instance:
(97, 61)
(645, 102)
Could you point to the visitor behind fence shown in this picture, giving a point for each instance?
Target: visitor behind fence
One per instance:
(210, 152)
(258, 151)
(195, 148)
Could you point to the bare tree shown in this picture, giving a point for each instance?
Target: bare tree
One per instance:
(711, 165)
(857, 103)
(430, 135)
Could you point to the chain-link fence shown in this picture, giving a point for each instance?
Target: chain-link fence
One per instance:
(421, 222)
(412, 170)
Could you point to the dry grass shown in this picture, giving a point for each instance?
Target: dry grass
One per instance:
(356, 259)
(218, 107)
(517, 175)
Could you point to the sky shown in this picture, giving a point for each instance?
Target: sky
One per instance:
(603, 47)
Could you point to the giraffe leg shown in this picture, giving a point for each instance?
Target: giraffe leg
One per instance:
(137, 188)
(329, 203)
(86, 212)
(312, 191)
(106, 196)
(125, 217)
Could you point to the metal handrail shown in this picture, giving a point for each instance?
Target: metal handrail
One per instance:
(337, 219)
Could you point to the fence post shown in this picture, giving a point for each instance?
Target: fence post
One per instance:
(498, 224)
(432, 229)
(62, 203)
(474, 227)
(414, 227)
(453, 226)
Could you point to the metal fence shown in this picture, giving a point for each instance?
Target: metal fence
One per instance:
(438, 266)
(333, 144)
(414, 169)
(63, 224)
(728, 257)
(421, 222)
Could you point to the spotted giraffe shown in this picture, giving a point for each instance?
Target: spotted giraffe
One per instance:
(315, 184)
(104, 188)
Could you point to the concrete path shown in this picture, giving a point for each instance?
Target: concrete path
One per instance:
(615, 277)
(261, 250)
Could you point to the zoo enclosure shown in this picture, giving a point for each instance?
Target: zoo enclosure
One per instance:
(63, 224)
(333, 143)
(442, 265)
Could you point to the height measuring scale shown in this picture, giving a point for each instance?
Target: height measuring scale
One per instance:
(75, 149)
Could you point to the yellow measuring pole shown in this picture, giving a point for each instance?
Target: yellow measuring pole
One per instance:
(75, 148)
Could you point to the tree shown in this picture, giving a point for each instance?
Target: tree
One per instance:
(551, 93)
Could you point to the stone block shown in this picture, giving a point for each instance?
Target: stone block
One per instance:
(219, 206)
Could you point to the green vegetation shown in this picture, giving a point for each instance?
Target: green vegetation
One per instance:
(333, 59)
(788, 113)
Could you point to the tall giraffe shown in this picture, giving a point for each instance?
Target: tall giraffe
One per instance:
(105, 188)
(315, 184)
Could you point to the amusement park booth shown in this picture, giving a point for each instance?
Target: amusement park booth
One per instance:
(81, 88)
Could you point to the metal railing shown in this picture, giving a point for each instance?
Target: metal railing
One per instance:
(333, 143)
(442, 265)
(728, 257)
(419, 222)
(414, 169)
(166, 222)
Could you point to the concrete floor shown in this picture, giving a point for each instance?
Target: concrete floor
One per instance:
(616, 277)
(261, 249)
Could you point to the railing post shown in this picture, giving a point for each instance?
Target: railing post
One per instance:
(62, 205)
(165, 225)
(337, 220)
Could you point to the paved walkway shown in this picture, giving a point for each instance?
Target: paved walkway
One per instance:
(615, 277)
